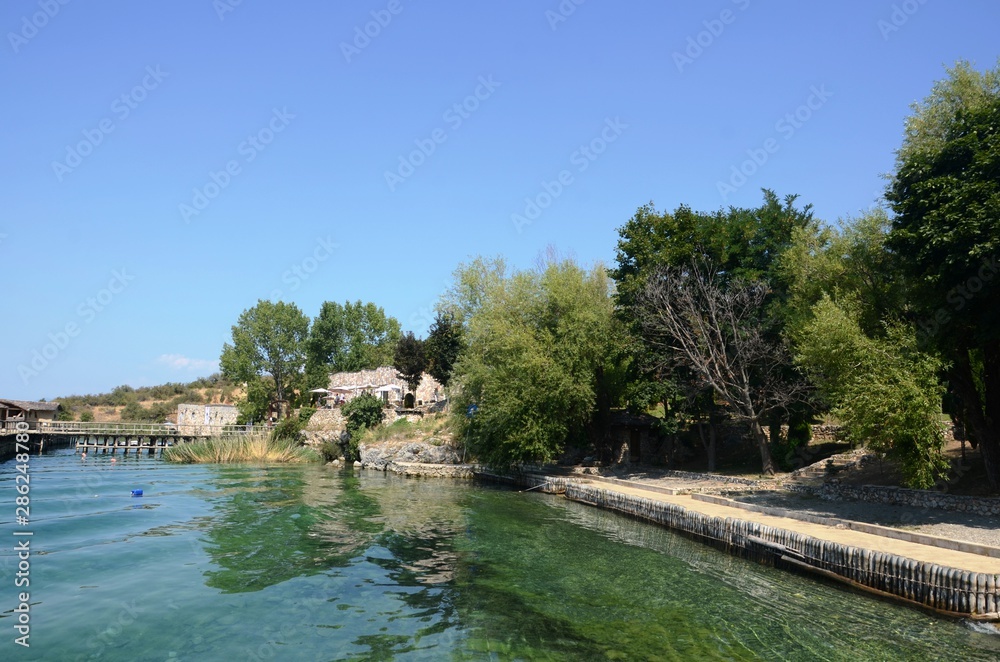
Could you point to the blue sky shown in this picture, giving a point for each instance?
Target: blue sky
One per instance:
(167, 164)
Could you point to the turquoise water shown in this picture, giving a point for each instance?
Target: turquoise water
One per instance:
(306, 563)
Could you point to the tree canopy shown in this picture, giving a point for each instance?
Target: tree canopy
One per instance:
(443, 345)
(543, 363)
(410, 360)
(664, 283)
(268, 341)
(945, 193)
(347, 338)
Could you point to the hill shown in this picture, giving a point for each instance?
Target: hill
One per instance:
(154, 404)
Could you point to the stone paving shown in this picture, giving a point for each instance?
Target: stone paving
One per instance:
(916, 518)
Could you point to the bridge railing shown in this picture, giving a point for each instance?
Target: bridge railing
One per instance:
(12, 425)
(146, 429)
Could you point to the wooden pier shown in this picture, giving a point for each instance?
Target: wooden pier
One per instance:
(124, 438)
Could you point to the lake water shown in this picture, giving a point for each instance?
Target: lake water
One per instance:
(307, 563)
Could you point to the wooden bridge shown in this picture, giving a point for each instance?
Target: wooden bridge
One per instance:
(123, 437)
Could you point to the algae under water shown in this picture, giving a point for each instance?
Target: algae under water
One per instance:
(301, 562)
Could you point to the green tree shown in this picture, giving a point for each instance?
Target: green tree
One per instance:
(717, 332)
(744, 245)
(135, 412)
(268, 349)
(410, 360)
(443, 345)
(945, 193)
(885, 391)
(850, 265)
(349, 337)
(543, 363)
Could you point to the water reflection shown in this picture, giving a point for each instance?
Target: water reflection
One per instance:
(278, 523)
(305, 563)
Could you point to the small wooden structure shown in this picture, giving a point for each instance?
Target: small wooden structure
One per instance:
(13, 411)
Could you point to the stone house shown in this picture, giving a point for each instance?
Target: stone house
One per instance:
(380, 381)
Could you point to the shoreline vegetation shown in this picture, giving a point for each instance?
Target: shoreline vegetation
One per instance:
(251, 448)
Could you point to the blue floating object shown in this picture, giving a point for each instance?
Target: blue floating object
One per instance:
(136, 493)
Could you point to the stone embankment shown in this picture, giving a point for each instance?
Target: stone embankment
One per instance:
(415, 458)
(951, 591)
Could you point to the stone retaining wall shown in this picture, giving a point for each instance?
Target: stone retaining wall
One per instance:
(944, 589)
(412, 469)
(900, 496)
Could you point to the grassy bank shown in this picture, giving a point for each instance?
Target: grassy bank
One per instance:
(248, 448)
(434, 429)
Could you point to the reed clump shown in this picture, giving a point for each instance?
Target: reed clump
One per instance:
(250, 448)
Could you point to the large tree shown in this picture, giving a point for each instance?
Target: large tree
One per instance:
(847, 317)
(884, 390)
(718, 332)
(744, 245)
(543, 364)
(945, 193)
(268, 342)
(443, 345)
(349, 337)
(410, 360)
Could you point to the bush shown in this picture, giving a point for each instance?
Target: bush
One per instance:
(287, 429)
(364, 411)
(87, 417)
(305, 413)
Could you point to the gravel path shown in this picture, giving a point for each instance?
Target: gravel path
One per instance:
(934, 522)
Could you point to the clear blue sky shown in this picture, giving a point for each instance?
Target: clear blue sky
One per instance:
(116, 112)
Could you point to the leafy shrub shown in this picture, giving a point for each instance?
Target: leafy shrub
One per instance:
(87, 417)
(364, 411)
(287, 429)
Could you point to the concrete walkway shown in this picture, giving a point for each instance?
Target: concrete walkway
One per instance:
(916, 551)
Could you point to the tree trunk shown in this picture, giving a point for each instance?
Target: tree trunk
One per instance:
(708, 444)
(766, 461)
(981, 418)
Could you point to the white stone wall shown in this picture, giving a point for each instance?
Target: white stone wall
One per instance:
(200, 419)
